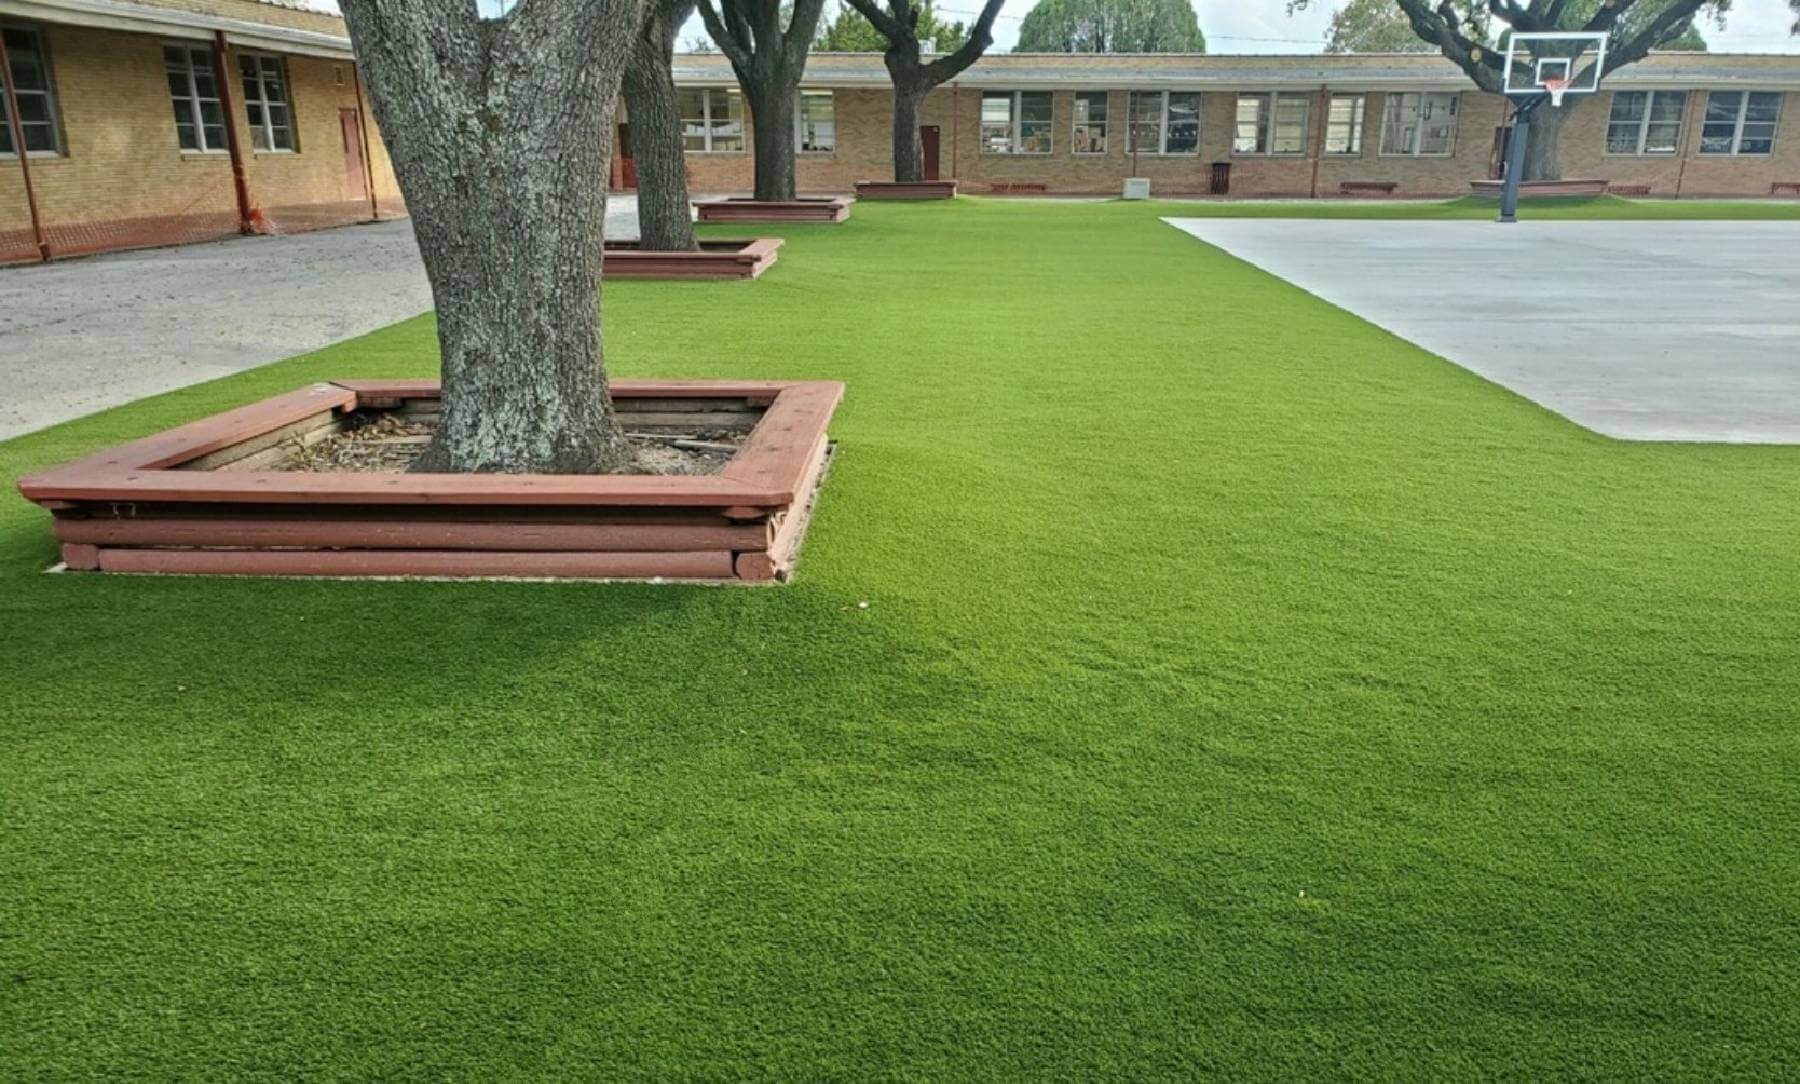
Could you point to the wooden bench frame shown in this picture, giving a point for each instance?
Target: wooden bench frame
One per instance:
(803, 209)
(142, 507)
(906, 190)
(1001, 188)
(1784, 188)
(1367, 188)
(717, 259)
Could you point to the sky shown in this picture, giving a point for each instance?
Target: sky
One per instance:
(1263, 26)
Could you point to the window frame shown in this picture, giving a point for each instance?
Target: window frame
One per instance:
(1358, 125)
(1418, 139)
(196, 119)
(40, 53)
(706, 120)
(1162, 127)
(266, 127)
(1105, 123)
(1268, 113)
(1016, 124)
(800, 94)
(1738, 123)
(1643, 124)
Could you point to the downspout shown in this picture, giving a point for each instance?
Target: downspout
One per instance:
(1687, 137)
(955, 130)
(362, 129)
(239, 180)
(1318, 135)
(18, 138)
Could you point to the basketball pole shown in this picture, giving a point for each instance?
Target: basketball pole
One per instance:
(1515, 158)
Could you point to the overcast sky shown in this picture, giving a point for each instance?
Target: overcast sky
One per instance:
(1262, 26)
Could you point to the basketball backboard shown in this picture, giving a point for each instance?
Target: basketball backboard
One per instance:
(1554, 63)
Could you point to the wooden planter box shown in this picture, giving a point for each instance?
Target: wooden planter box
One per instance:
(745, 259)
(905, 189)
(195, 499)
(805, 209)
(1539, 189)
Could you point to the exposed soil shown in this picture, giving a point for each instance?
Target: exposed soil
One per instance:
(390, 441)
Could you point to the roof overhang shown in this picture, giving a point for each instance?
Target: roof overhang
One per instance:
(172, 23)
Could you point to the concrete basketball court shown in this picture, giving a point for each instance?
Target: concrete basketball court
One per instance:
(1684, 331)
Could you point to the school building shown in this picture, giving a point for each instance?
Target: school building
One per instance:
(1676, 124)
(150, 122)
(143, 122)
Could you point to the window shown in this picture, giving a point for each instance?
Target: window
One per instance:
(1645, 122)
(266, 102)
(815, 123)
(712, 120)
(1419, 124)
(1740, 122)
(194, 90)
(1344, 124)
(1088, 131)
(37, 108)
(1270, 124)
(1165, 122)
(1015, 122)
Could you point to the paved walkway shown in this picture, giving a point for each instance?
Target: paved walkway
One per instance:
(1637, 330)
(83, 335)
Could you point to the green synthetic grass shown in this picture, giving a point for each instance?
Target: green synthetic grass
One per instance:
(1242, 692)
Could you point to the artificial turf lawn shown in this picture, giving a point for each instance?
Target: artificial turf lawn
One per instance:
(1241, 691)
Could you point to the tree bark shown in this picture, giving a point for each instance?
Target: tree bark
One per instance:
(665, 215)
(772, 129)
(909, 154)
(1543, 143)
(498, 131)
(912, 77)
(769, 60)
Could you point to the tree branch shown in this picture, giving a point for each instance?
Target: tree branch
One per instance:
(981, 36)
(736, 50)
(884, 24)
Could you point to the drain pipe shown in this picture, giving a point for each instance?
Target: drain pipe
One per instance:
(362, 130)
(240, 181)
(18, 138)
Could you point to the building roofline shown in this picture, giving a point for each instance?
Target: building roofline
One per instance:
(176, 23)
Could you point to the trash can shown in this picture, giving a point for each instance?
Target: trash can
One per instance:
(1221, 178)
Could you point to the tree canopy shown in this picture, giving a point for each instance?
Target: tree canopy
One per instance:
(1473, 32)
(1111, 26)
(850, 31)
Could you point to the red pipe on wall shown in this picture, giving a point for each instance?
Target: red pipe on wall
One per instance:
(362, 129)
(18, 137)
(240, 181)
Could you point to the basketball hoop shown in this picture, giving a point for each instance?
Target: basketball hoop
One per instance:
(1556, 88)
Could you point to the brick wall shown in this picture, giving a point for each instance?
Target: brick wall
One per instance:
(864, 152)
(124, 181)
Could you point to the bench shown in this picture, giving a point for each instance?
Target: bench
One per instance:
(1785, 188)
(1628, 190)
(1017, 187)
(1367, 188)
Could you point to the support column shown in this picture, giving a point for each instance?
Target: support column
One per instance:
(18, 139)
(228, 104)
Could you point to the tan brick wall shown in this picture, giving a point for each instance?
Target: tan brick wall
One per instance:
(863, 152)
(124, 180)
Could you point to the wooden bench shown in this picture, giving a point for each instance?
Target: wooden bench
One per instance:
(1785, 188)
(1628, 190)
(1017, 187)
(1368, 188)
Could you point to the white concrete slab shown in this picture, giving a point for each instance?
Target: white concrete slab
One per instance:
(1638, 330)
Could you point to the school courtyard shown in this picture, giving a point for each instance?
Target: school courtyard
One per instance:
(1186, 675)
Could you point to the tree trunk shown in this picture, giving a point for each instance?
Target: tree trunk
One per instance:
(665, 217)
(772, 124)
(909, 154)
(500, 132)
(1543, 144)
